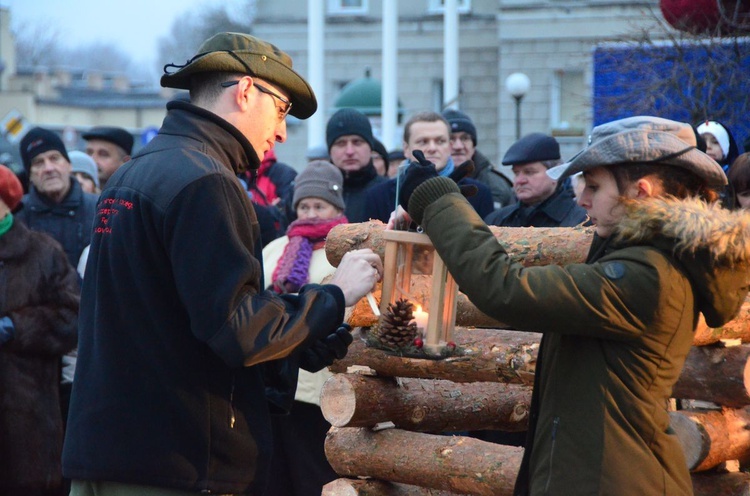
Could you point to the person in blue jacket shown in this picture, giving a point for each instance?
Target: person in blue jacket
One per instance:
(183, 357)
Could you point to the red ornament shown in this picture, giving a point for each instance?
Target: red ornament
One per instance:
(418, 342)
(451, 345)
(701, 16)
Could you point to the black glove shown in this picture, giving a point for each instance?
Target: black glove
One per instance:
(324, 351)
(422, 170)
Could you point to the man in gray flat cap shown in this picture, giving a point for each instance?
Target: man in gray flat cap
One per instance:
(110, 147)
(540, 202)
(182, 355)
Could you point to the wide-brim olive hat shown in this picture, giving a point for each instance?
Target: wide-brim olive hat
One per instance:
(238, 52)
(643, 140)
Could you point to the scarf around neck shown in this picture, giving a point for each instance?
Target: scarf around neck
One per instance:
(6, 223)
(293, 269)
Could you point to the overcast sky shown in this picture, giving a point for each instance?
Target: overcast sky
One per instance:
(133, 25)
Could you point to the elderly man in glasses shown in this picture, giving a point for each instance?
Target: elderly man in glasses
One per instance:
(182, 355)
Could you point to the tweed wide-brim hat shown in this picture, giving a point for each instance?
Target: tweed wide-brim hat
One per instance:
(238, 52)
(643, 140)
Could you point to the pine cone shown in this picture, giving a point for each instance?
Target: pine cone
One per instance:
(396, 328)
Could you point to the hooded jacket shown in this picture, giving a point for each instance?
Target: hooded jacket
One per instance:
(179, 345)
(616, 332)
(40, 295)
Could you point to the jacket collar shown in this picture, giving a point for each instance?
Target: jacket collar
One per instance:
(223, 141)
(711, 244)
(41, 203)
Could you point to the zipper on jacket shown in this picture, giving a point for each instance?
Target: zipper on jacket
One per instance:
(232, 417)
(555, 423)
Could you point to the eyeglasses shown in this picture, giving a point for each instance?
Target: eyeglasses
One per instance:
(283, 111)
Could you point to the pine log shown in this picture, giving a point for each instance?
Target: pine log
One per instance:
(374, 487)
(710, 438)
(721, 484)
(527, 245)
(488, 356)
(737, 328)
(422, 405)
(468, 315)
(717, 374)
(450, 463)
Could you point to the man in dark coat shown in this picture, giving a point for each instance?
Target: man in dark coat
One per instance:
(430, 133)
(541, 203)
(55, 203)
(38, 319)
(350, 144)
(464, 147)
(182, 356)
(110, 147)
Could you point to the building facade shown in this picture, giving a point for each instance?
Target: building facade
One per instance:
(549, 40)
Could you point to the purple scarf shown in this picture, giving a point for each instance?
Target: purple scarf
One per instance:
(293, 270)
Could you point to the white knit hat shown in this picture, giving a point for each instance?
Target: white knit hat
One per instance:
(717, 131)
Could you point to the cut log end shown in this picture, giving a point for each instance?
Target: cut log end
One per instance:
(692, 436)
(340, 401)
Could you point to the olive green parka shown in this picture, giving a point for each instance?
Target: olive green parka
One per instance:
(616, 332)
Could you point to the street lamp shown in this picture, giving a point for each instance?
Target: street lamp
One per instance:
(518, 85)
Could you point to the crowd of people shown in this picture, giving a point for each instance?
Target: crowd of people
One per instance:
(170, 313)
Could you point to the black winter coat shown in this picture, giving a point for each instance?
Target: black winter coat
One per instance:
(68, 222)
(559, 210)
(170, 385)
(40, 295)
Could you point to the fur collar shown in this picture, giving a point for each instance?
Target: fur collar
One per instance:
(692, 226)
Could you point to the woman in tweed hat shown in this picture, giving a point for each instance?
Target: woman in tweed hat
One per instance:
(617, 328)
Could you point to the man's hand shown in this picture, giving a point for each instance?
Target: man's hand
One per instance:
(357, 274)
(324, 351)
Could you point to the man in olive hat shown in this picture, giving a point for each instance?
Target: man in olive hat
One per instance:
(182, 355)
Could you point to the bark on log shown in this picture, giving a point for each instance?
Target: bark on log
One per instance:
(489, 356)
(350, 400)
(468, 315)
(450, 463)
(737, 328)
(373, 487)
(721, 484)
(711, 373)
(710, 438)
(717, 374)
(527, 245)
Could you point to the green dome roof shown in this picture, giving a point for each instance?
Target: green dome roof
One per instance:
(363, 94)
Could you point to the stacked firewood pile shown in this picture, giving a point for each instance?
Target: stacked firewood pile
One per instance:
(389, 412)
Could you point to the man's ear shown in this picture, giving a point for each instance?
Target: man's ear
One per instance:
(407, 152)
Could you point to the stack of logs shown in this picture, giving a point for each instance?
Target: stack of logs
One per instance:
(388, 411)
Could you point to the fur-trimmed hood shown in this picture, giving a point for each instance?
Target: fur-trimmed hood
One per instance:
(711, 243)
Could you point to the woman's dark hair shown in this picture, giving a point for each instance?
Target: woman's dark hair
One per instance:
(739, 177)
(676, 181)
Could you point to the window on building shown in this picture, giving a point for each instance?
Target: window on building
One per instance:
(437, 6)
(570, 105)
(347, 7)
